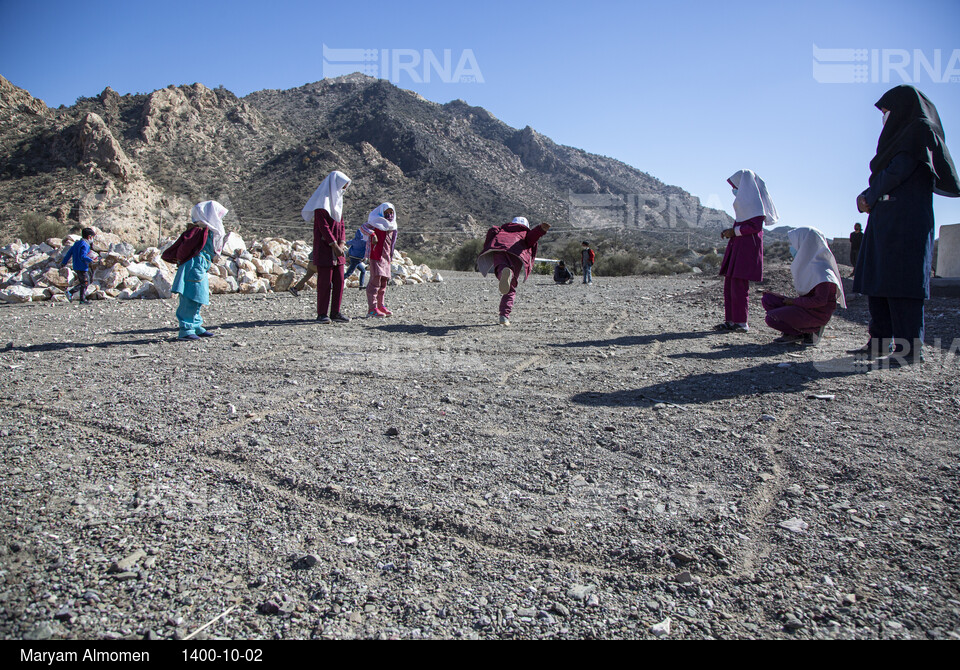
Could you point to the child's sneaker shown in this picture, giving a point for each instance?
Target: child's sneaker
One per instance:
(375, 314)
(385, 311)
(69, 295)
(813, 339)
(294, 292)
(506, 277)
(504, 321)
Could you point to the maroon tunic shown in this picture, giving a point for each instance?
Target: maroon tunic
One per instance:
(743, 258)
(325, 231)
(807, 314)
(513, 239)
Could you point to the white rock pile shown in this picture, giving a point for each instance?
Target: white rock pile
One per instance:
(30, 273)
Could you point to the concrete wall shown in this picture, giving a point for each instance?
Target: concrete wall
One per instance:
(948, 256)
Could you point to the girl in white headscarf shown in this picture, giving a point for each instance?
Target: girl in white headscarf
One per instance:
(743, 258)
(380, 232)
(193, 253)
(816, 278)
(324, 210)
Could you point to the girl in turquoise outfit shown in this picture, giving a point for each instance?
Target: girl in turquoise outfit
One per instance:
(193, 253)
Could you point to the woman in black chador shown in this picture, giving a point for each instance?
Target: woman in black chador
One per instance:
(893, 267)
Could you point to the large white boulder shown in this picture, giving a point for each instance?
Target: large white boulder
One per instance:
(163, 285)
(233, 244)
(17, 293)
(143, 271)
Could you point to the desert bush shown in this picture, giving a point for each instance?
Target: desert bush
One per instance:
(433, 261)
(36, 228)
(667, 266)
(543, 268)
(465, 256)
(777, 251)
(618, 264)
(709, 260)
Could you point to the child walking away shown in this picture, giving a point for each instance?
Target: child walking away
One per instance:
(508, 251)
(81, 255)
(380, 232)
(193, 252)
(325, 210)
(587, 257)
(816, 278)
(743, 258)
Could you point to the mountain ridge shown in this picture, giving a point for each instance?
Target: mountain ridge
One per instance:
(134, 164)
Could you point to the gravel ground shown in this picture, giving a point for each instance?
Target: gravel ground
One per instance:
(607, 467)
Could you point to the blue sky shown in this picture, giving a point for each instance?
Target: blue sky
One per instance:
(687, 91)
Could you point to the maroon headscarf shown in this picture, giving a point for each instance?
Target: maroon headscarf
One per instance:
(187, 245)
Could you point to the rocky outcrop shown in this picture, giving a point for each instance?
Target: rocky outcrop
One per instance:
(15, 99)
(99, 148)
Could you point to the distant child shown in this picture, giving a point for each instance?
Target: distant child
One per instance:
(380, 233)
(561, 274)
(743, 258)
(356, 248)
(81, 255)
(193, 253)
(816, 278)
(587, 257)
(508, 251)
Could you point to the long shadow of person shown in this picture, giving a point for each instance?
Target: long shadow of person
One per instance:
(430, 331)
(741, 351)
(66, 346)
(635, 340)
(710, 386)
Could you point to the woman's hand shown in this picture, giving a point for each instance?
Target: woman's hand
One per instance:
(545, 226)
(862, 205)
(728, 234)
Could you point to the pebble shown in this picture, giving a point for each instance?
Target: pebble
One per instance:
(580, 592)
(794, 525)
(792, 622)
(561, 609)
(661, 629)
(41, 632)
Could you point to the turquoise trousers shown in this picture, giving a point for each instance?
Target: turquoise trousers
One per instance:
(188, 314)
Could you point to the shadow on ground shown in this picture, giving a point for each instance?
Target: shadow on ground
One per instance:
(710, 386)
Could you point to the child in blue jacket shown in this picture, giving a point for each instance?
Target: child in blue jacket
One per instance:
(81, 255)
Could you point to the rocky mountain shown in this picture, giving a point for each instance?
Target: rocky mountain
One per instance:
(133, 165)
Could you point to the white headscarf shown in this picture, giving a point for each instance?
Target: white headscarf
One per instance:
(752, 199)
(377, 220)
(328, 196)
(522, 221)
(210, 213)
(814, 263)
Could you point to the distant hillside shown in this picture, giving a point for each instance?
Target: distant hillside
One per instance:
(132, 163)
